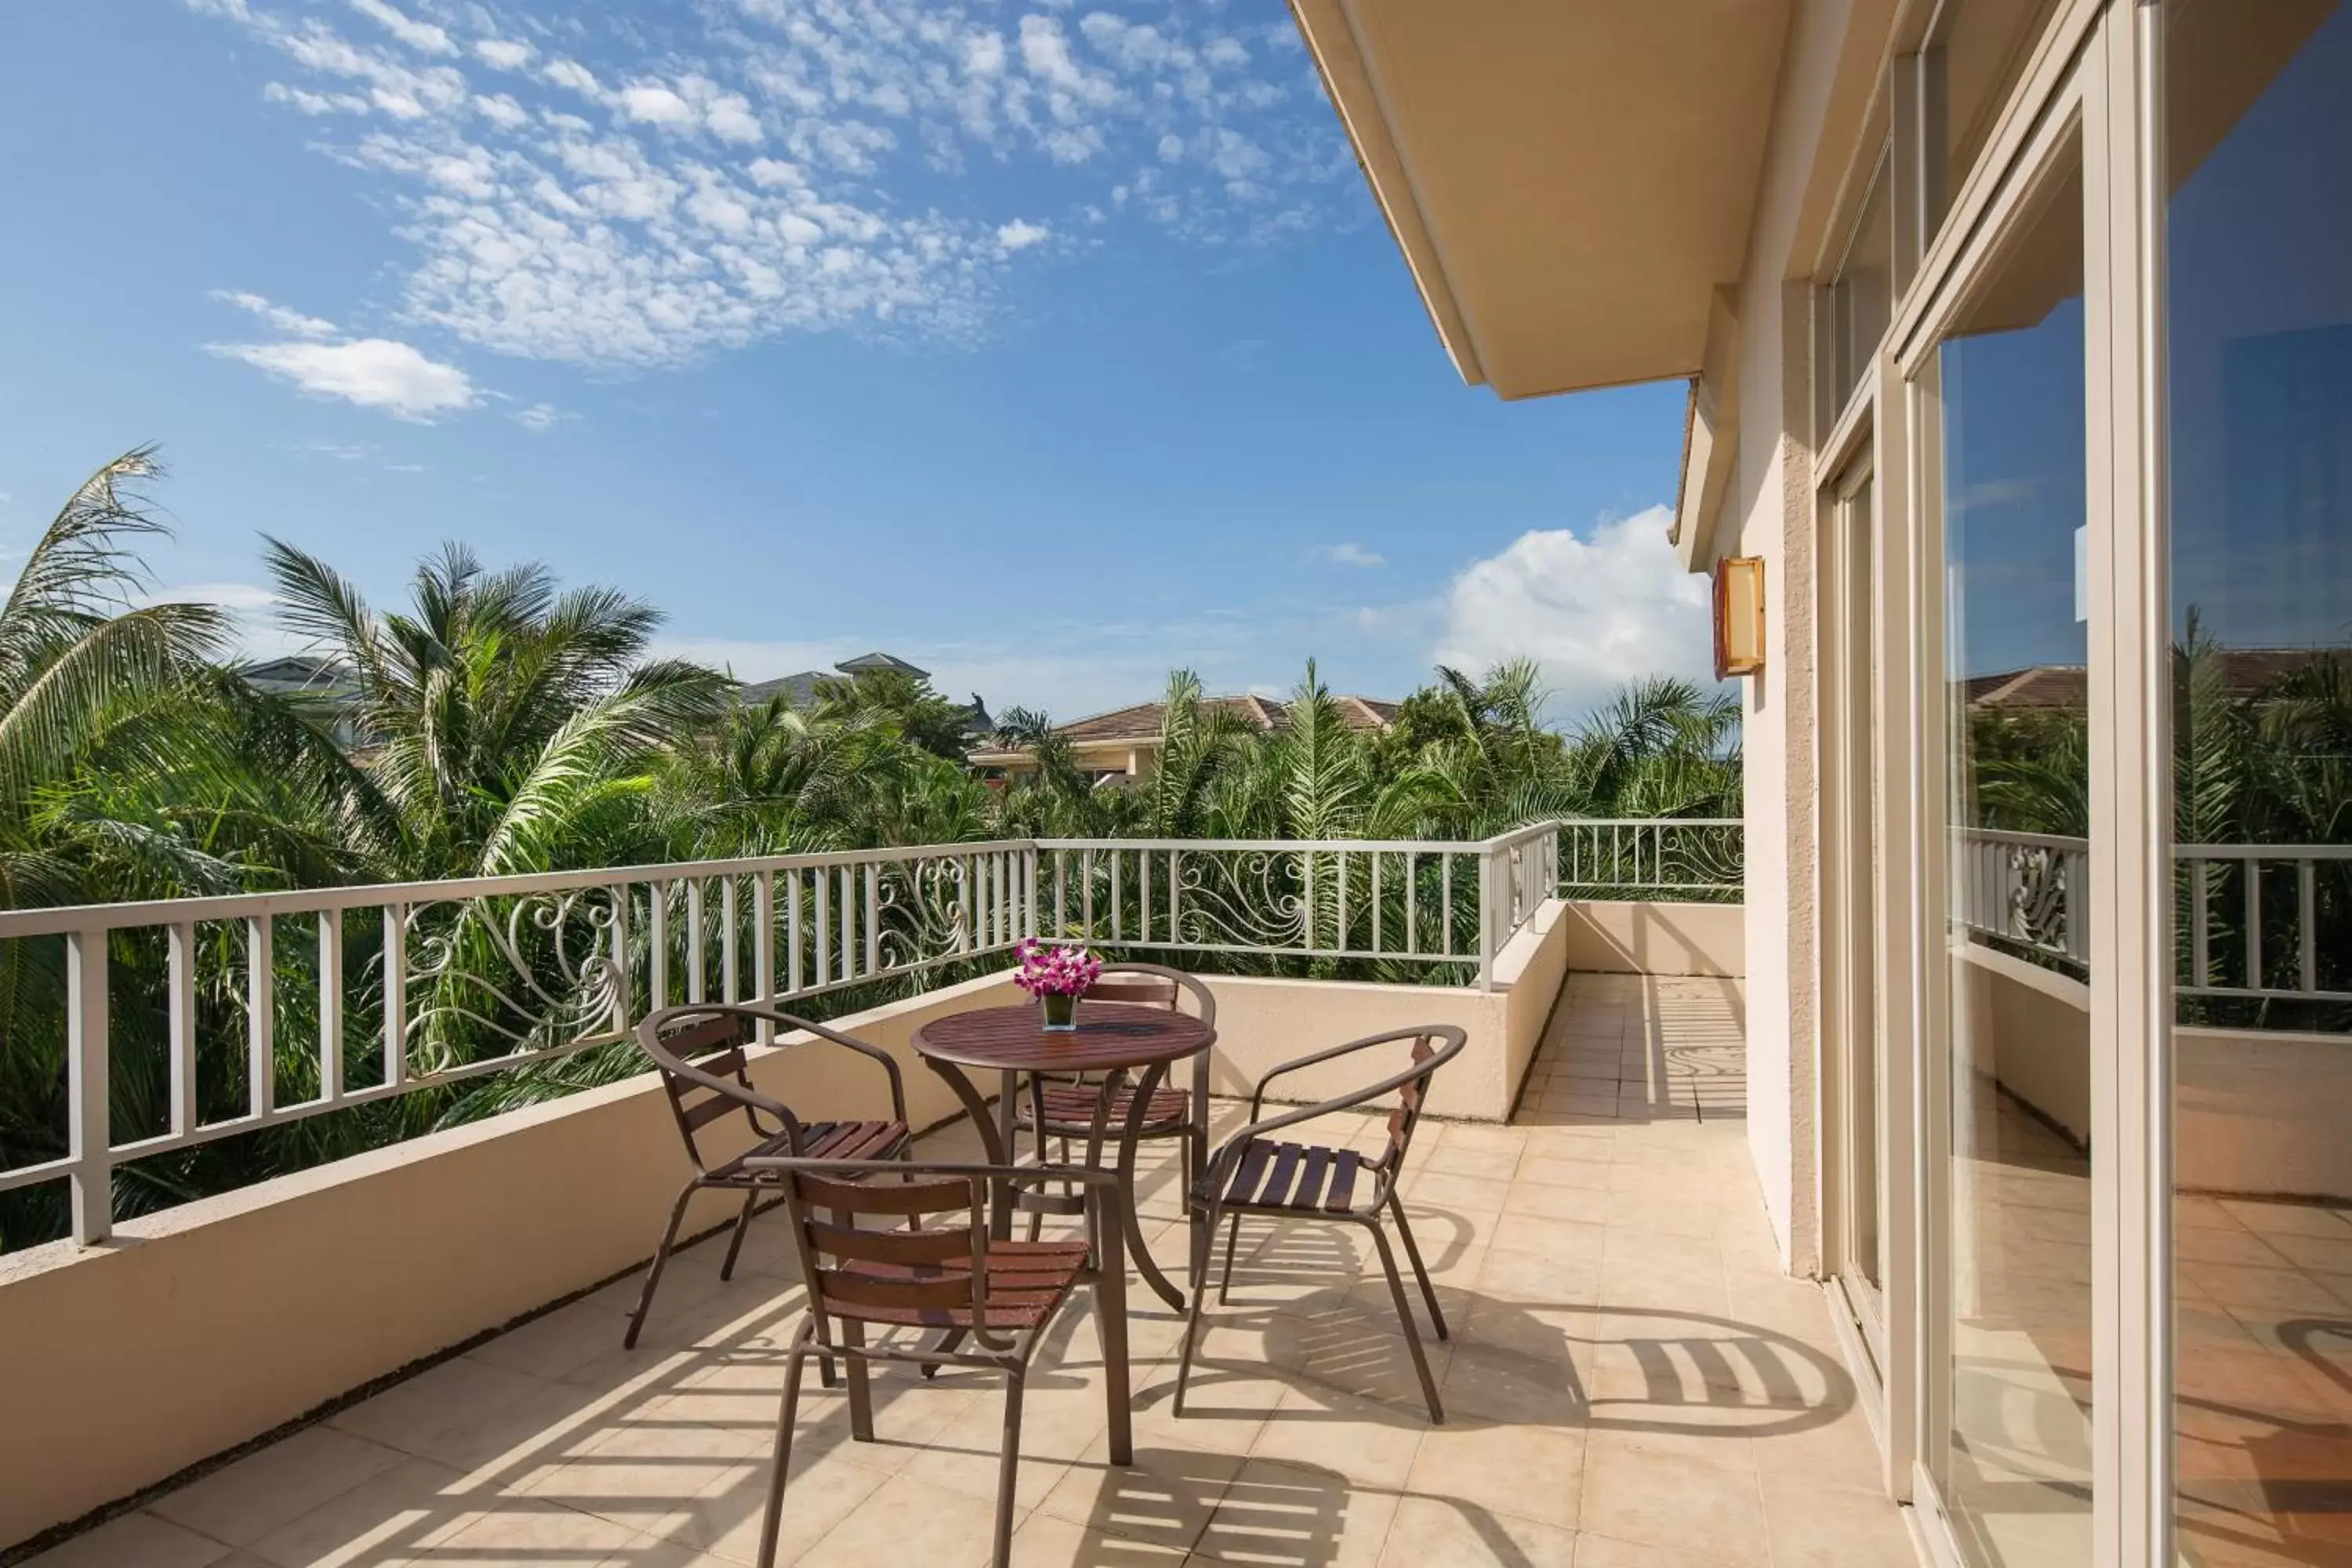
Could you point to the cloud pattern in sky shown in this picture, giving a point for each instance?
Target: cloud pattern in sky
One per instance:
(577, 187)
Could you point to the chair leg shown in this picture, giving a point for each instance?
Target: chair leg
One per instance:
(654, 1273)
(1404, 1317)
(1204, 1240)
(1233, 1239)
(742, 1228)
(861, 1392)
(1008, 1466)
(1413, 1255)
(787, 1412)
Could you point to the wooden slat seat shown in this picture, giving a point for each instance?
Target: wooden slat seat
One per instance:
(828, 1141)
(1026, 1282)
(1296, 1178)
(1070, 1110)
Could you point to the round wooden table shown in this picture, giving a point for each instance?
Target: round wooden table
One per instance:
(1114, 1038)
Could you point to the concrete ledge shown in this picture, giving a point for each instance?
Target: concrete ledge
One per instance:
(1609, 937)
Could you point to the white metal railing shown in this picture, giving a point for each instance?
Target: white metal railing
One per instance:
(1690, 857)
(2253, 921)
(395, 988)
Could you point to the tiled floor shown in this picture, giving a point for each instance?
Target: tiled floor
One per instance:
(1631, 1382)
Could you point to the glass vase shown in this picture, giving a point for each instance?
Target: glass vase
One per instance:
(1061, 1013)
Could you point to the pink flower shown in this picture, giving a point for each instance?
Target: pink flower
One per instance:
(1055, 971)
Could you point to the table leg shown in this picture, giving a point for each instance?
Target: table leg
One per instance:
(1131, 1138)
(1111, 1308)
(995, 1138)
(1000, 1220)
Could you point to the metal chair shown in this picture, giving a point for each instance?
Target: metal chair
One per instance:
(1000, 1295)
(1072, 1108)
(1254, 1174)
(699, 1049)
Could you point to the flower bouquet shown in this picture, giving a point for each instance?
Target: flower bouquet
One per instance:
(1057, 977)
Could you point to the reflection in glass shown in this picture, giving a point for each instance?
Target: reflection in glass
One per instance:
(2015, 1473)
(2258, 316)
(1862, 300)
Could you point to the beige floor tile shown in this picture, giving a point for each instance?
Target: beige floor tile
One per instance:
(1570, 1279)
(1531, 1472)
(1497, 1386)
(1437, 1192)
(644, 1476)
(1453, 1157)
(1815, 1525)
(242, 1503)
(1284, 1515)
(1427, 1531)
(1607, 1551)
(468, 1412)
(136, 1540)
(1056, 1430)
(531, 1529)
(1710, 1510)
(1225, 1409)
(1368, 1441)
(823, 1489)
(1538, 1170)
(386, 1518)
(1045, 1540)
(911, 1522)
(1164, 1499)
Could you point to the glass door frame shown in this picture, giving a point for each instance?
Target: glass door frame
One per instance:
(2095, 73)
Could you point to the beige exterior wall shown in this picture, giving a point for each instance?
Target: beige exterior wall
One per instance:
(1612, 938)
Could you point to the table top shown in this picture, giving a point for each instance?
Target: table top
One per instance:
(1109, 1035)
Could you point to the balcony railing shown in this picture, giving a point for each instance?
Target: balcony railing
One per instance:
(394, 989)
(2252, 922)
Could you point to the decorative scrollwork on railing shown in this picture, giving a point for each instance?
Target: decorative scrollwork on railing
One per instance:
(2035, 910)
(1241, 899)
(529, 971)
(920, 911)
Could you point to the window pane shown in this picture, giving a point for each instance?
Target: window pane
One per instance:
(2015, 1472)
(2259, 149)
(1862, 299)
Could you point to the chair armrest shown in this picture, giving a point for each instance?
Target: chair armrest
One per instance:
(1257, 1093)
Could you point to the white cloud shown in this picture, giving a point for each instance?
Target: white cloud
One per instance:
(540, 418)
(1020, 234)
(416, 34)
(714, 175)
(293, 323)
(1595, 611)
(503, 53)
(1351, 554)
(374, 373)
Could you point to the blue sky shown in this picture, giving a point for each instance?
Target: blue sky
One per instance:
(1050, 345)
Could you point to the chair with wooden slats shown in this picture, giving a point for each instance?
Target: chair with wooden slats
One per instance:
(995, 1299)
(1256, 1176)
(699, 1049)
(1069, 1107)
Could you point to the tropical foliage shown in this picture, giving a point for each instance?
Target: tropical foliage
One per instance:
(494, 721)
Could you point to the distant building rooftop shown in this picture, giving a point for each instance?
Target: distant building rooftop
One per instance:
(1136, 728)
(2052, 687)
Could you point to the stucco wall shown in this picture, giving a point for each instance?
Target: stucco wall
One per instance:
(204, 1325)
(1613, 938)
(1262, 1022)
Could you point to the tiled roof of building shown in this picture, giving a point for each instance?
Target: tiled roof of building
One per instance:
(1141, 721)
(2245, 671)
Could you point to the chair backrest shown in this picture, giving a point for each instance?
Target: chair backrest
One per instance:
(1430, 1051)
(700, 1051)
(906, 1276)
(1155, 985)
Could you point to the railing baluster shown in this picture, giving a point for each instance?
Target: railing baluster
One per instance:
(822, 934)
(727, 972)
(1175, 930)
(1086, 892)
(2307, 915)
(1143, 896)
(2255, 977)
(395, 994)
(623, 1007)
(694, 938)
(1445, 896)
(848, 928)
(872, 917)
(764, 956)
(657, 946)
(1411, 903)
(1117, 897)
(1375, 900)
(181, 1022)
(1061, 892)
(793, 933)
(260, 1015)
(1306, 901)
(89, 1132)
(1339, 903)
(330, 1004)
(2200, 891)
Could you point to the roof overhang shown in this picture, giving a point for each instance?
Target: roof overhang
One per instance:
(1569, 179)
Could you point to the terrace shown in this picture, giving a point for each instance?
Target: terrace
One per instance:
(414, 1355)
